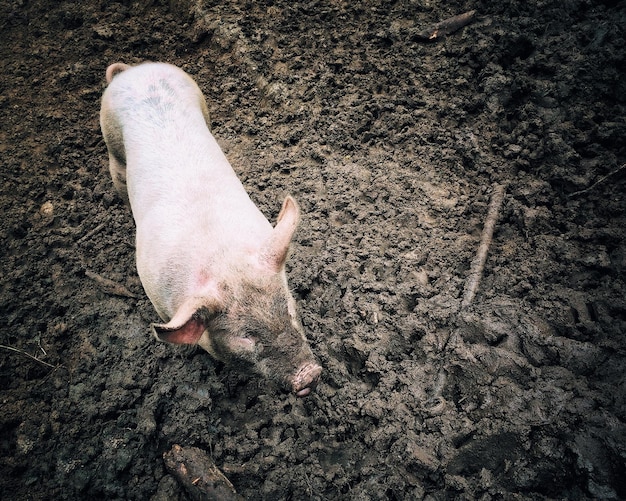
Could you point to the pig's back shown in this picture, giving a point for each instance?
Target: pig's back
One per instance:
(154, 95)
(162, 117)
(174, 164)
(187, 202)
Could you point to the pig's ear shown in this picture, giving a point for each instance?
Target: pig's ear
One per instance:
(276, 250)
(186, 327)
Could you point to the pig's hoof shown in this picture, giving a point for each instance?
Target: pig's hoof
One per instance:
(306, 379)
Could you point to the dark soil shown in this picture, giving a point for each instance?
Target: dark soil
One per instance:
(392, 146)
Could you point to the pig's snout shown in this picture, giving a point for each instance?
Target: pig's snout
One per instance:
(306, 379)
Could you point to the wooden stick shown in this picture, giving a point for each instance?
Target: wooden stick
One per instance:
(446, 27)
(436, 403)
(198, 475)
(91, 233)
(478, 264)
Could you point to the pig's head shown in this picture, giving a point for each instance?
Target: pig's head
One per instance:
(251, 320)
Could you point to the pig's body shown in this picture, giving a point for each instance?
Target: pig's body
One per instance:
(209, 261)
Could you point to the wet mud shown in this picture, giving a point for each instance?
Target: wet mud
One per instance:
(392, 146)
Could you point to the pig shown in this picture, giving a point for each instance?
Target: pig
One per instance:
(209, 261)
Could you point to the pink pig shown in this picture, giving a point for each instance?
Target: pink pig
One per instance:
(210, 262)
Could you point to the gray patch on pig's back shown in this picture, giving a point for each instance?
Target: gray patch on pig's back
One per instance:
(160, 103)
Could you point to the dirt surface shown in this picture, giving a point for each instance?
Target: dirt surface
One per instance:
(392, 146)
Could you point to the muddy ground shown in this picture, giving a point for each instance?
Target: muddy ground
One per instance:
(392, 146)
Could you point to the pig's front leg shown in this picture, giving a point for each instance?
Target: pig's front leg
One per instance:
(114, 139)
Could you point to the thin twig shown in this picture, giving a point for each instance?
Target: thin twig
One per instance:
(478, 264)
(22, 352)
(601, 180)
(91, 233)
(446, 27)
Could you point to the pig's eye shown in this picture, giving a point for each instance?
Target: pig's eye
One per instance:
(245, 344)
(254, 338)
(252, 334)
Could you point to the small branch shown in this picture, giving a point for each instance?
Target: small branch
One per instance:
(109, 286)
(22, 352)
(446, 27)
(198, 474)
(436, 404)
(91, 233)
(478, 264)
(601, 180)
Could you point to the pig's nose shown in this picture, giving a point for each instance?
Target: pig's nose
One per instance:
(306, 379)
